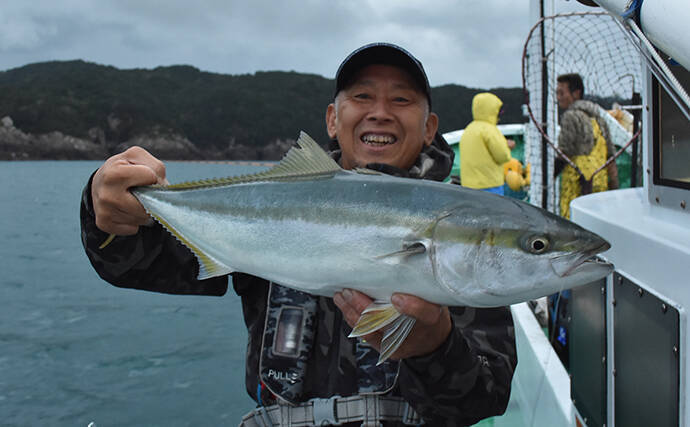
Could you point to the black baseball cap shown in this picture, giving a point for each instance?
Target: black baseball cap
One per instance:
(385, 54)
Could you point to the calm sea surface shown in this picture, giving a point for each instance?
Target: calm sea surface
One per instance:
(76, 350)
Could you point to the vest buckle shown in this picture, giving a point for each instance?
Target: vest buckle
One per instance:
(325, 412)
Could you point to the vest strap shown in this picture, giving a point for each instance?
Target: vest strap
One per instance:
(370, 409)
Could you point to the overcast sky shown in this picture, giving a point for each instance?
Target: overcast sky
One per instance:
(475, 43)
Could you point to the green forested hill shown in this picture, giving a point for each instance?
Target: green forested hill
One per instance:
(211, 110)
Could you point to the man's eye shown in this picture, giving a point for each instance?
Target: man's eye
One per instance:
(362, 96)
(400, 99)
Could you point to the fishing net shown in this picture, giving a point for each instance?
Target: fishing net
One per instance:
(595, 46)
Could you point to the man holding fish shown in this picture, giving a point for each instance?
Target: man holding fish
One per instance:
(450, 366)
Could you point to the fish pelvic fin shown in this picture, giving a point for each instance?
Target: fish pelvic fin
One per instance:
(376, 316)
(208, 266)
(383, 316)
(305, 161)
(394, 335)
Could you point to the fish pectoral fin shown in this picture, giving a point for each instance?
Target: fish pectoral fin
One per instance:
(413, 248)
(383, 316)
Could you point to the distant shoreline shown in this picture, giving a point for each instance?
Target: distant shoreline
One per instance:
(229, 162)
(216, 162)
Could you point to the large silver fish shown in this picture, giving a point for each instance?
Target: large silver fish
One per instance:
(312, 226)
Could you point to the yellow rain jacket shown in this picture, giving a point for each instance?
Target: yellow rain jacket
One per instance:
(483, 148)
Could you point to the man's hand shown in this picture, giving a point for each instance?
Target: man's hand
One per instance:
(431, 329)
(117, 210)
(511, 143)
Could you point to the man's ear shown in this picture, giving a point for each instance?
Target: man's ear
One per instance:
(577, 94)
(330, 121)
(430, 128)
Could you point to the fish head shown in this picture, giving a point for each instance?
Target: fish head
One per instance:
(507, 252)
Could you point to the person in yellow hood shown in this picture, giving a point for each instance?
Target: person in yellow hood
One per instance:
(483, 148)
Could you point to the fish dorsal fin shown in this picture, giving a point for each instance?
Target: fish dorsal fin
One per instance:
(365, 171)
(307, 161)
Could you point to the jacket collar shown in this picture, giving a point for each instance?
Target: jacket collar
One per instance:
(434, 162)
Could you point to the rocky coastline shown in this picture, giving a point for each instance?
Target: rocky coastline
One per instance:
(18, 145)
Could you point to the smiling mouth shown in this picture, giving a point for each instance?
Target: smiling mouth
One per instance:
(378, 140)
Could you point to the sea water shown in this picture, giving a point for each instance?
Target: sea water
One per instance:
(75, 350)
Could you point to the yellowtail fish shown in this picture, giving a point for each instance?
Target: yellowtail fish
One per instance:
(310, 225)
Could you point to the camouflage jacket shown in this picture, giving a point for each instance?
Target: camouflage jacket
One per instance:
(467, 379)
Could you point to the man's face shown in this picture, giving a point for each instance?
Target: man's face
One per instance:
(564, 96)
(381, 118)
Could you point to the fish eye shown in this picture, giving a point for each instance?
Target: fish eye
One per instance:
(537, 244)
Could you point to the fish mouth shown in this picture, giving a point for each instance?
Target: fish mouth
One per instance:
(569, 264)
(375, 139)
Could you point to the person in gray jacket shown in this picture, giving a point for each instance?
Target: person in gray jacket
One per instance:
(456, 366)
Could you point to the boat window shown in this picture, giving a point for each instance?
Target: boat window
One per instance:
(672, 145)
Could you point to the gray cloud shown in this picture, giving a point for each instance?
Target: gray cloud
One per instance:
(476, 43)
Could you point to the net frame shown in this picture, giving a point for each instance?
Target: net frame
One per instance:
(592, 44)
